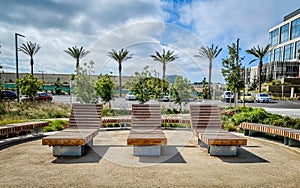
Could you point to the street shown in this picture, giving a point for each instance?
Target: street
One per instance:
(285, 107)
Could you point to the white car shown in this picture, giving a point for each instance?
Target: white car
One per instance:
(130, 96)
(227, 96)
(262, 97)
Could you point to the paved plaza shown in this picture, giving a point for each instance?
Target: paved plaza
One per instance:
(111, 163)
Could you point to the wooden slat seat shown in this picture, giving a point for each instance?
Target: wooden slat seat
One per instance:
(207, 127)
(146, 127)
(15, 129)
(291, 136)
(84, 124)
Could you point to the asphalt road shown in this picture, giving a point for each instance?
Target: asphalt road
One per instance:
(285, 107)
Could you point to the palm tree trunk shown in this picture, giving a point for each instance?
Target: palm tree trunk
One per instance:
(77, 64)
(209, 78)
(164, 71)
(31, 64)
(120, 79)
(259, 75)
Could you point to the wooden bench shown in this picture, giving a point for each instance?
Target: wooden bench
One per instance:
(84, 124)
(146, 135)
(290, 136)
(14, 129)
(207, 127)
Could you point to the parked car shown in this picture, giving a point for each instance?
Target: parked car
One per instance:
(227, 96)
(41, 96)
(262, 97)
(247, 97)
(130, 96)
(7, 94)
(165, 99)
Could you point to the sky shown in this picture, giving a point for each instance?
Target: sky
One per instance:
(140, 26)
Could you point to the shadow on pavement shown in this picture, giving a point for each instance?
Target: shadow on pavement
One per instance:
(91, 155)
(243, 156)
(170, 154)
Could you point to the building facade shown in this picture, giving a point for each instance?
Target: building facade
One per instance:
(283, 54)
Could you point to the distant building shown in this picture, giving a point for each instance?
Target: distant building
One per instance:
(285, 43)
(283, 54)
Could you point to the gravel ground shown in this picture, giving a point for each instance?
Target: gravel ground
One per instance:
(183, 164)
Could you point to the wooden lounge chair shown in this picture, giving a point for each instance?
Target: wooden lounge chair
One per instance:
(146, 135)
(84, 124)
(207, 126)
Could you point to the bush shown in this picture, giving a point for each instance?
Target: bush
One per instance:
(56, 125)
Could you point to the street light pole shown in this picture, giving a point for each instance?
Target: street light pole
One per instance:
(17, 64)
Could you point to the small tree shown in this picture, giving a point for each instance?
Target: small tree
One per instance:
(105, 88)
(58, 86)
(204, 89)
(85, 84)
(180, 91)
(29, 85)
(146, 85)
(232, 70)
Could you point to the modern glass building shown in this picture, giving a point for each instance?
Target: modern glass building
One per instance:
(285, 43)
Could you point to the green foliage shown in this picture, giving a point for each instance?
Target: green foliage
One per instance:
(108, 112)
(180, 91)
(35, 110)
(56, 125)
(105, 88)
(58, 86)
(205, 91)
(232, 69)
(85, 84)
(175, 125)
(258, 115)
(29, 85)
(145, 85)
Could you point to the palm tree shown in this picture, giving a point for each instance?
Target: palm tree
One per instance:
(30, 49)
(120, 56)
(259, 53)
(77, 53)
(164, 58)
(209, 53)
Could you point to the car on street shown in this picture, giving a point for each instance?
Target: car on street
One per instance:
(165, 99)
(247, 97)
(262, 97)
(41, 96)
(130, 96)
(7, 95)
(227, 96)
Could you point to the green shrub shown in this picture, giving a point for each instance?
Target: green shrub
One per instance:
(108, 112)
(56, 125)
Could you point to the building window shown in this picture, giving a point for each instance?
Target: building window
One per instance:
(274, 37)
(284, 33)
(297, 47)
(288, 52)
(271, 56)
(295, 28)
(277, 54)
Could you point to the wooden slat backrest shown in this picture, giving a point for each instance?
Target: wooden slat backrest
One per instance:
(146, 117)
(205, 115)
(86, 116)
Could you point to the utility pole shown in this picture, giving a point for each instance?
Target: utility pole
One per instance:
(17, 63)
(237, 63)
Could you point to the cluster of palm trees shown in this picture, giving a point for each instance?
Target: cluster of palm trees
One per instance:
(206, 52)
